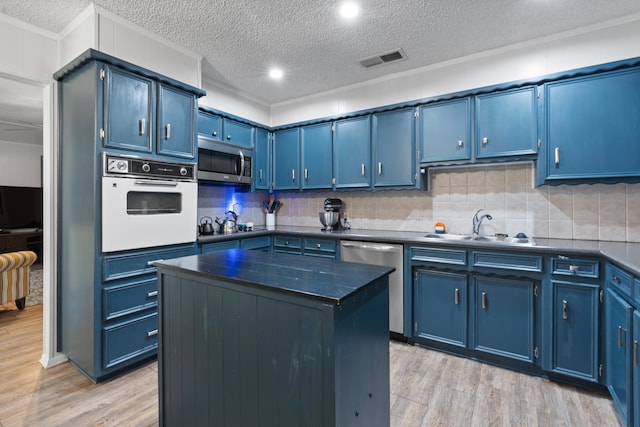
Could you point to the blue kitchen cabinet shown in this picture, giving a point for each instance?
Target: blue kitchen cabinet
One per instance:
(206, 248)
(286, 159)
(445, 131)
(636, 368)
(394, 152)
(316, 142)
(503, 316)
(572, 344)
(592, 126)
(175, 132)
(209, 124)
(133, 122)
(619, 351)
(237, 133)
(507, 123)
(440, 306)
(262, 160)
(352, 152)
(128, 111)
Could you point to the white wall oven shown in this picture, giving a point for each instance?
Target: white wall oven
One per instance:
(147, 203)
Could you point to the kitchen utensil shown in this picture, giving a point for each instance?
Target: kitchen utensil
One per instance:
(206, 225)
(221, 222)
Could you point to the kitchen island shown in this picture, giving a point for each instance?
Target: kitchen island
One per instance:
(249, 338)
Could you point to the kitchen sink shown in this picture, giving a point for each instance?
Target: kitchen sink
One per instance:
(499, 240)
(447, 236)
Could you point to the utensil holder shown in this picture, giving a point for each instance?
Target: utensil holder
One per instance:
(271, 221)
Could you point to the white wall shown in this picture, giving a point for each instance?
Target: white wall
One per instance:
(606, 42)
(234, 102)
(20, 164)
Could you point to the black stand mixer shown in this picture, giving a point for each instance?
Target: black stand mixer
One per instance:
(330, 217)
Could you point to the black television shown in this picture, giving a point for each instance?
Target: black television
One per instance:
(20, 208)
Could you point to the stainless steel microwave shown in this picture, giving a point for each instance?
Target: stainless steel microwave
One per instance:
(224, 163)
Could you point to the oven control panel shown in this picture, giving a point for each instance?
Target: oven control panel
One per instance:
(135, 167)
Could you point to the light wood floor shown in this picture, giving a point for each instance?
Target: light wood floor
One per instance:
(428, 388)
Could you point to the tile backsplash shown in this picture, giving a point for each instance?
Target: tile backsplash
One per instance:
(506, 192)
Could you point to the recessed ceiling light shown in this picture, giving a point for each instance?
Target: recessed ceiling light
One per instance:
(349, 10)
(276, 73)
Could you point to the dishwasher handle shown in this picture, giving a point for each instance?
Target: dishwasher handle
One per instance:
(375, 248)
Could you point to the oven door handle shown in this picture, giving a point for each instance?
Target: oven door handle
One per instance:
(156, 183)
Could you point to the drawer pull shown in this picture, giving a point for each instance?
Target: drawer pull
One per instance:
(150, 263)
(565, 309)
(620, 331)
(456, 296)
(318, 245)
(574, 268)
(152, 333)
(563, 257)
(615, 279)
(484, 300)
(152, 294)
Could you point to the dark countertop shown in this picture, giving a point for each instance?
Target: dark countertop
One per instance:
(627, 255)
(319, 278)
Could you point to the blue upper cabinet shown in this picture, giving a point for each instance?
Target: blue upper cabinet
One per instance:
(176, 118)
(317, 151)
(133, 122)
(593, 126)
(237, 133)
(209, 125)
(286, 159)
(129, 110)
(506, 123)
(352, 152)
(262, 160)
(445, 131)
(394, 142)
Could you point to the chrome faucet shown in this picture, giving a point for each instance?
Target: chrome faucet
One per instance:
(477, 221)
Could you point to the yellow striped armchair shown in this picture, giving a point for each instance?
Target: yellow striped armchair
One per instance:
(14, 276)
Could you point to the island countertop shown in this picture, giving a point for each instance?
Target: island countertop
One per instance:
(319, 278)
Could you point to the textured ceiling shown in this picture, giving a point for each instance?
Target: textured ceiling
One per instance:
(241, 39)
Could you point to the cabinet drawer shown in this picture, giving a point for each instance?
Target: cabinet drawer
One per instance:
(320, 245)
(289, 242)
(135, 263)
(619, 279)
(127, 340)
(507, 261)
(442, 256)
(262, 242)
(220, 246)
(566, 266)
(129, 298)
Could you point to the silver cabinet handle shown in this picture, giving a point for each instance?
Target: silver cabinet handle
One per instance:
(141, 126)
(620, 331)
(167, 131)
(229, 137)
(574, 268)
(379, 168)
(152, 294)
(152, 333)
(293, 174)
(214, 133)
(460, 144)
(456, 296)
(615, 279)
(484, 300)
(318, 245)
(260, 174)
(362, 169)
(565, 309)
(557, 155)
(150, 263)
(306, 173)
(485, 141)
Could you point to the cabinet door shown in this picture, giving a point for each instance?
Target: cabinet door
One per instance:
(262, 160)
(503, 317)
(618, 336)
(440, 307)
(506, 123)
(317, 156)
(592, 126)
(238, 133)
(394, 142)
(129, 101)
(352, 152)
(636, 368)
(445, 131)
(286, 154)
(176, 119)
(209, 125)
(574, 335)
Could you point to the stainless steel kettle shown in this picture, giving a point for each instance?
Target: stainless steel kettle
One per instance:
(206, 225)
(231, 222)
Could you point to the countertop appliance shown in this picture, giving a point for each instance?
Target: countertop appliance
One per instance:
(330, 217)
(389, 255)
(224, 163)
(147, 202)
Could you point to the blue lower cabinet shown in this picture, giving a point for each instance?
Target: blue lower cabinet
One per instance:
(619, 352)
(219, 246)
(440, 307)
(571, 343)
(128, 340)
(503, 316)
(636, 368)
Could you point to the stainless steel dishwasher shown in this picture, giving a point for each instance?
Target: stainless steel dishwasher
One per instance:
(381, 254)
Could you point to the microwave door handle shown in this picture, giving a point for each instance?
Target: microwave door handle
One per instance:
(241, 165)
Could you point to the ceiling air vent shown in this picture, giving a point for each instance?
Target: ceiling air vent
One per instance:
(384, 58)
